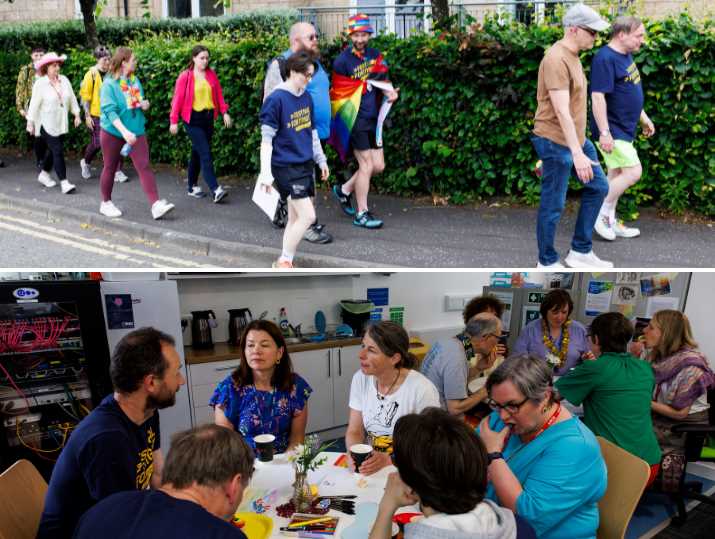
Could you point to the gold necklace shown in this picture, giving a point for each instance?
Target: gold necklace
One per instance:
(562, 351)
(382, 397)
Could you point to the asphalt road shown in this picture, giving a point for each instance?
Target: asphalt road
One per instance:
(416, 233)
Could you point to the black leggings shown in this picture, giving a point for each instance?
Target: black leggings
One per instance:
(54, 154)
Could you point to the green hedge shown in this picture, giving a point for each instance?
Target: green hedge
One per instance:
(461, 126)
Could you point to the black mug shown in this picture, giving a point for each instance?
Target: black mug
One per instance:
(264, 447)
(359, 453)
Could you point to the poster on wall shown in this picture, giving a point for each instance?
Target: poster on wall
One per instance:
(659, 303)
(598, 299)
(529, 313)
(657, 285)
(506, 298)
(627, 277)
(625, 294)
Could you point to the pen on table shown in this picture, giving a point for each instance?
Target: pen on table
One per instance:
(312, 527)
(314, 535)
(309, 522)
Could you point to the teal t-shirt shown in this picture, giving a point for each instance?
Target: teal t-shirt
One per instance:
(122, 104)
(616, 391)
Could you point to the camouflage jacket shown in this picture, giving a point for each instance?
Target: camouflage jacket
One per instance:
(23, 92)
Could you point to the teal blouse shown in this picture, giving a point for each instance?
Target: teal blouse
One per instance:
(124, 105)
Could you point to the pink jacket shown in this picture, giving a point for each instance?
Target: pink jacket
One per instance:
(183, 99)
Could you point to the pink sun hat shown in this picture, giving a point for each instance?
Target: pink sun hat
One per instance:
(49, 58)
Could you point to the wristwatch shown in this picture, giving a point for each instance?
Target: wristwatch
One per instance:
(494, 456)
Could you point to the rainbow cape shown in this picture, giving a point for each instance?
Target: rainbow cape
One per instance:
(345, 97)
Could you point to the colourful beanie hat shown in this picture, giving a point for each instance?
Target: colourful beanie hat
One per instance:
(359, 23)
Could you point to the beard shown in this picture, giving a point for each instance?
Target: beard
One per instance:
(163, 400)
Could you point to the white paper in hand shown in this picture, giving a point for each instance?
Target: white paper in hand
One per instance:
(267, 201)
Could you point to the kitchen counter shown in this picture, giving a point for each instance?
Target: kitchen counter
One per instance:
(224, 351)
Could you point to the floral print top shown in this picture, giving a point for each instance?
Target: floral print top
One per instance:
(255, 412)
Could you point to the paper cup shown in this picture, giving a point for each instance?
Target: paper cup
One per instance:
(359, 453)
(264, 446)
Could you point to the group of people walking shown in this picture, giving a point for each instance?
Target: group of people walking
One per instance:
(301, 111)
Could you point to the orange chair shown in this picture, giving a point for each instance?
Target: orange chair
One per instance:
(627, 477)
(22, 491)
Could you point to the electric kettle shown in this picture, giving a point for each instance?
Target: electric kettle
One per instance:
(237, 322)
(201, 325)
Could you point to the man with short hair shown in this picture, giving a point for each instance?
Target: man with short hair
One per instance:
(355, 108)
(447, 363)
(117, 446)
(617, 106)
(303, 37)
(560, 141)
(23, 92)
(207, 471)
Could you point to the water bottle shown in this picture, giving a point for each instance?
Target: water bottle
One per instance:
(126, 149)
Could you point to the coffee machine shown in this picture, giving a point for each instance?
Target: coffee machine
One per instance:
(201, 324)
(237, 322)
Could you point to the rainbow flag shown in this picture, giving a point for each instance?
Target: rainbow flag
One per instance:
(345, 97)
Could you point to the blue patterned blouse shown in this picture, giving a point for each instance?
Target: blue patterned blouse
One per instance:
(255, 412)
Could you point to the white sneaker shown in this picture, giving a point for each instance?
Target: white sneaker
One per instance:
(555, 265)
(586, 260)
(604, 227)
(160, 208)
(623, 231)
(120, 177)
(196, 192)
(45, 179)
(67, 187)
(109, 209)
(219, 194)
(86, 171)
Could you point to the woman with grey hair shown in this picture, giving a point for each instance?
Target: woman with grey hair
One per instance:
(544, 464)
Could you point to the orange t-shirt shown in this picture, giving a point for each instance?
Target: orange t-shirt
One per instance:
(560, 69)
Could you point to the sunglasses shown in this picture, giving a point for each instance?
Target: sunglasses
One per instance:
(591, 31)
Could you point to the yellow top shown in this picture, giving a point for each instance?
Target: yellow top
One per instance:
(89, 90)
(202, 95)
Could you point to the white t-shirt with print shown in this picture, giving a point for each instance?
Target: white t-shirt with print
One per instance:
(379, 416)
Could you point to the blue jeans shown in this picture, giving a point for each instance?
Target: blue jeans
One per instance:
(200, 131)
(557, 166)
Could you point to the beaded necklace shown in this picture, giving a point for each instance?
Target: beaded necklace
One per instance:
(562, 350)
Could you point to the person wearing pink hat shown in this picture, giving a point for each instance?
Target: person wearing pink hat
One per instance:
(353, 69)
(52, 97)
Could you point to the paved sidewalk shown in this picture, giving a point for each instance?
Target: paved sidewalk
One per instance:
(414, 235)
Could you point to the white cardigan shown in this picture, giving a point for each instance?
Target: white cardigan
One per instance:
(45, 110)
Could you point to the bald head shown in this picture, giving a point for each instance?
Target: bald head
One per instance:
(303, 37)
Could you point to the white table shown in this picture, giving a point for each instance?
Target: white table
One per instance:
(331, 480)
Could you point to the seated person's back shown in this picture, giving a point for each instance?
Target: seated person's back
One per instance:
(206, 472)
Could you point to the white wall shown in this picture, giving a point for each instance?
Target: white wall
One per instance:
(700, 309)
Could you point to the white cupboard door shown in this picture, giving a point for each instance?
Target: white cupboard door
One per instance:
(314, 366)
(345, 363)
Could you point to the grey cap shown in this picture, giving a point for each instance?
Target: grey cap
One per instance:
(582, 15)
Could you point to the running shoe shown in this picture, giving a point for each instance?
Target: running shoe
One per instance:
(345, 201)
(366, 220)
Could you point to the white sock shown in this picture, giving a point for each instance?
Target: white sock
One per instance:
(286, 257)
(608, 208)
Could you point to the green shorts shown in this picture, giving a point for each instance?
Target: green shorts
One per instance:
(623, 155)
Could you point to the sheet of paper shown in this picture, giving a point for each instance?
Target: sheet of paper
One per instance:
(267, 201)
(658, 303)
(384, 109)
(598, 299)
(625, 294)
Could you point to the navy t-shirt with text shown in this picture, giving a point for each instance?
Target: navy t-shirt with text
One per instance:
(616, 75)
(292, 118)
(350, 65)
(106, 453)
(153, 514)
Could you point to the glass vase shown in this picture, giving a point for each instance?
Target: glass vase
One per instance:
(302, 496)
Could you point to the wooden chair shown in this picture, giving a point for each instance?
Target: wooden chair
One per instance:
(627, 478)
(22, 491)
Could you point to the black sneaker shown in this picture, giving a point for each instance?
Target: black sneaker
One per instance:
(316, 234)
(281, 217)
(345, 200)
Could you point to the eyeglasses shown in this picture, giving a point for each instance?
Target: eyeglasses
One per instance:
(591, 31)
(512, 407)
(308, 76)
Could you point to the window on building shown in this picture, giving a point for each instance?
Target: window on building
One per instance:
(179, 8)
(194, 8)
(210, 9)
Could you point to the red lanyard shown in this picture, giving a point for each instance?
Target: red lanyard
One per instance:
(549, 423)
